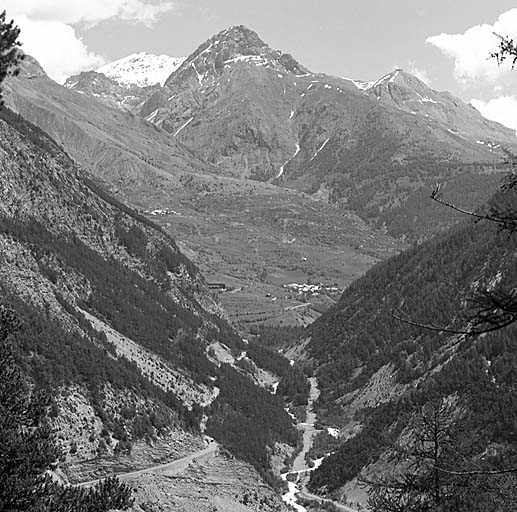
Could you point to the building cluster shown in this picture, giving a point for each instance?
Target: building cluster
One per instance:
(311, 289)
(162, 211)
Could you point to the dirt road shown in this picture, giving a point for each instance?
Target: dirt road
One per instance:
(169, 468)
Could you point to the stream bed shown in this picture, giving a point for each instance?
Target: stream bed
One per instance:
(300, 469)
(297, 477)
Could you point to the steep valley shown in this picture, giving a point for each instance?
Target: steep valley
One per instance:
(234, 287)
(117, 325)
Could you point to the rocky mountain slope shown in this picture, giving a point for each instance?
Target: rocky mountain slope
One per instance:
(117, 323)
(376, 372)
(229, 100)
(410, 94)
(257, 113)
(61, 239)
(112, 144)
(222, 483)
(107, 90)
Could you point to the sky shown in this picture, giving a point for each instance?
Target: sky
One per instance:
(444, 42)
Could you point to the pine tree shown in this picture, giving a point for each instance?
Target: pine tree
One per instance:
(10, 53)
(28, 451)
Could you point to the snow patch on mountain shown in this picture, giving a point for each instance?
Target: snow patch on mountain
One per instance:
(142, 69)
(281, 170)
(389, 78)
(319, 149)
(182, 126)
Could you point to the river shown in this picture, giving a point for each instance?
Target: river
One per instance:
(300, 470)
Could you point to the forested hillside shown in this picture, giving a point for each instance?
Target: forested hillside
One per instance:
(116, 321)
(377, 371)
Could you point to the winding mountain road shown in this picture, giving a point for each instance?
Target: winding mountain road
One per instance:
(169, 468)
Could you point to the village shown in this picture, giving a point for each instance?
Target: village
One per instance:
(312, 290)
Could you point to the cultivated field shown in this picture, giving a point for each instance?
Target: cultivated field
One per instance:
(256, 243)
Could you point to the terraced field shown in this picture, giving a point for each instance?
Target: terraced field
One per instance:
(255, 243)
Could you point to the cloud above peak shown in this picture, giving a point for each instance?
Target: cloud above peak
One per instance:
(57, 47)
(471, 49)
(49, 28)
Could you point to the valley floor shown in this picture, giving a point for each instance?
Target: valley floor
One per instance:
(266, 247)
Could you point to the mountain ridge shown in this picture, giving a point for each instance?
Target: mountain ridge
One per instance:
(256, 113)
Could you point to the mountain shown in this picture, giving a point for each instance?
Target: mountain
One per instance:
(120, 328)
(141, 69)
(253, 236)
(230, 102)
(376, 373)
(129, 97)
(374, 148)
(68, 251)
(139, 160)
(112, 144)
(410, 94)
(126, 83)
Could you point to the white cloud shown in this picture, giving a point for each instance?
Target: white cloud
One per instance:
(471, 49)
(49, 28)
(62, 54)
(420, 74)
(502, 109)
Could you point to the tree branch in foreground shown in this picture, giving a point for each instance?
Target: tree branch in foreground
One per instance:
(429, 327)
(507, 50)
(495, 309)
(508, 222)
(476, 472)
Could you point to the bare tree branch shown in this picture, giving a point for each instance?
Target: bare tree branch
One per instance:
(471, 332)
(495, 308)
(430, 327)
(476, 472)
(507, 222)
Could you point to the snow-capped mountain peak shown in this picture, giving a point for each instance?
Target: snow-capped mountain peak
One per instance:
(142, 69)
(233, 47)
